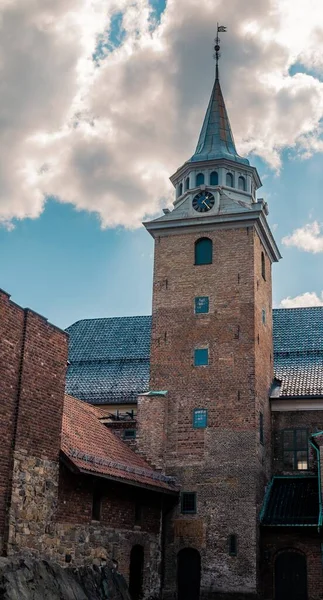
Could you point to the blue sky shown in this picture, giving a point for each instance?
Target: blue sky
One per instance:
(86, 255)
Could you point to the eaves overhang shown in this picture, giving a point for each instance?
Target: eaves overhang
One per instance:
(253, 218)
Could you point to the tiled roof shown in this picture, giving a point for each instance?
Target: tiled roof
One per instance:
(298, 350)
(109, 359)
(93, 449)
(291, 501)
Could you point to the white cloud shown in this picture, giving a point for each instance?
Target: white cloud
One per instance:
(306, 238)
(106, 135)
(306, 299)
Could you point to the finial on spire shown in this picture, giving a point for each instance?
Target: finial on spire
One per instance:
(219, 29)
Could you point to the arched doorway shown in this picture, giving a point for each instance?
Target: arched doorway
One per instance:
(188, 574)
(290, 576)
(136, 572)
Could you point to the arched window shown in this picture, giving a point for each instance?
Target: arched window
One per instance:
(203, 251)
(242, 183)
(199, 179)
(229, 180)
(263, 266)
(180, 189)
(187, 183)
(214, 178)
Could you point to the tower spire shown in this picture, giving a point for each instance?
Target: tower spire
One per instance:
(219, 28)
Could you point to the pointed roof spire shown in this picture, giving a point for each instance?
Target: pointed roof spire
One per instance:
(216, 138)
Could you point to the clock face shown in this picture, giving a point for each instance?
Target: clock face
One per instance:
(203, 201)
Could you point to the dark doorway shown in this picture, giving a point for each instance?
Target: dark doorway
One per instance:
(136, 574)
(290, 576)
(188, 574)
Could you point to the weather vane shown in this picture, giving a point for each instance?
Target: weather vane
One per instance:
(219, 29)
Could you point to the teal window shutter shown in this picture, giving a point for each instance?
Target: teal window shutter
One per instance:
(203, 251)
(201, 357)
(201, 304)
(214, 178)
(199, 179)
(200, 418)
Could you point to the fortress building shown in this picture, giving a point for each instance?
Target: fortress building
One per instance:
(189, 447)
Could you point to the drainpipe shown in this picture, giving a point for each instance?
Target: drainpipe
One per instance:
(317, 450)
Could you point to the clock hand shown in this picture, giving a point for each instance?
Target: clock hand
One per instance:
(207, 206)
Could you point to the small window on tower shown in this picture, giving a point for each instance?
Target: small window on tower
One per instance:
(263, 266)
(188, 503)
(201, 304)
(201, 357)
(199, 179)
(214, 178)
(261, 428)
(233, 545)
(229, 180)
(129, 434)
(200, 418)
(203, 251)
(180, 189)
(242, 183)
(187, 183)
(263, 316)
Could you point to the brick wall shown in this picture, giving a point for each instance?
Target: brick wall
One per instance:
(33, 364)
(152, 414)
(306, 542)
(225, 462)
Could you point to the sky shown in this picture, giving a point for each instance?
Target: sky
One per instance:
(102, 100)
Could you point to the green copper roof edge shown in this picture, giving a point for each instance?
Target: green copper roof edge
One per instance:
(266, 500)
(155, 393)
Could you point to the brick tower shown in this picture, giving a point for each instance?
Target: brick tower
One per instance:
(212, 351)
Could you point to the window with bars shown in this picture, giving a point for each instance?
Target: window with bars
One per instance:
(295, 449)
(199, 418)
(188, 503)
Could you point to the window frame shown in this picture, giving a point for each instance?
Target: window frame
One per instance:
(294, 449)
(229, 174)
(210, 251)
(206, 303)
(242, 179)
(196, 425)
(194, 510)
(204, 364)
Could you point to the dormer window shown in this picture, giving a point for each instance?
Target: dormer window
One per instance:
(229, 180)
(187, 183)
(242, 183)
(199, 179)
(214, 178)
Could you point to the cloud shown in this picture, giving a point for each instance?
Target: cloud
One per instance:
(102, 125)
(306, 299)
(306, 238)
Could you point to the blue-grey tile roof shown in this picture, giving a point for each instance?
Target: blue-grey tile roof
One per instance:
(109, 358)
(298, 351)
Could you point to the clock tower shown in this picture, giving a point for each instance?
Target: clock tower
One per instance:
(211, 349)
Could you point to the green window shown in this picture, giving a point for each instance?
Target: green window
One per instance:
(214, 178)
(201, 304)
(199, 179)
(203, 251)
(201, 357)
(199, 418)
(188, 503)
(295, 449)
(129, 434)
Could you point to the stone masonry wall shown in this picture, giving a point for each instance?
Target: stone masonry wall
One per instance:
(222, 463)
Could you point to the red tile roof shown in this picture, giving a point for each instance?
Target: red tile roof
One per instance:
(93, 449)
